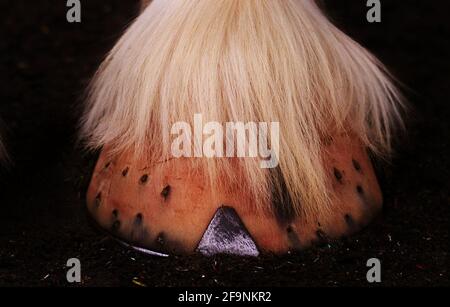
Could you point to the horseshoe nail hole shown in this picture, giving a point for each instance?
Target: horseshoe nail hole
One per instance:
(356, 165)
(160, 239)
(125, 172)
(165, 192)
(107, 164)
(328, 140)
(359, 189)
(143, 179)
(115, 213)
(289, 229)
(349, 220)
(138, 218)
(98, 199)
(337, 174)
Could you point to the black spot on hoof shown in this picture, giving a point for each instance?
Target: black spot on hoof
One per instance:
(125, 172)
(138, 219)
(338, 175)
(293, 238)
(328, 140)
(143, 179)
(107, 164)
(98, 199)
(282, 203)
(350, 222)
(160, 239)
(356, 165)
(115, 213)
(348, 219)
(360, 190)
(115, 225)
(165, 192)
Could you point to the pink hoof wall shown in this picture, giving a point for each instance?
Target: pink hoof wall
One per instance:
(169, 208)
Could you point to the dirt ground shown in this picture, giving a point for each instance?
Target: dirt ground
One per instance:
(45, 66)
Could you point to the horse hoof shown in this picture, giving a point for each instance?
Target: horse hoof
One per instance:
(168, 207)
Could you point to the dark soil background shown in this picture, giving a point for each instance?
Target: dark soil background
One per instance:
(45, 66)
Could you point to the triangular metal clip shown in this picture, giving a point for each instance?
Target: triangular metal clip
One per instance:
(226, 234)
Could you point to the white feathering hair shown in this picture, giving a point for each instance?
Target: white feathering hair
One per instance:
(241, 61)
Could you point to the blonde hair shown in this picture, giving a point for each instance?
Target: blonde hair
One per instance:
(241, 61)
